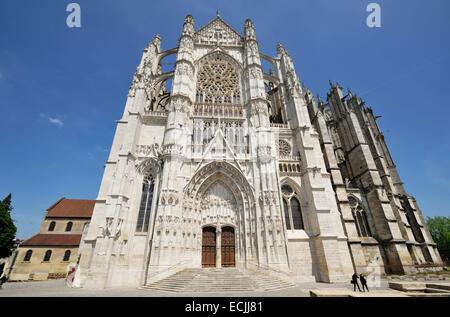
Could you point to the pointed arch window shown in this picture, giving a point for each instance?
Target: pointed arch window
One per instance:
(296, 214)
(286, 215)
(145, 207)
(292, 209)
(360, 217)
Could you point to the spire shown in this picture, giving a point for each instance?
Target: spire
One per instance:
(188, 26)
(349, 93)
(249, 30)
(320, 103)
(156, 40)
(281, 50)
(217, 13)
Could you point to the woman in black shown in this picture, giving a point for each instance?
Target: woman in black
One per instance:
(363, 282)
(354, 281)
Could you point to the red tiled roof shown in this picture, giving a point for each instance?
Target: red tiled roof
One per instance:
(53, 240)
(71, 208)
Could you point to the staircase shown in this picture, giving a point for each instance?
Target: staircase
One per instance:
(218, 280)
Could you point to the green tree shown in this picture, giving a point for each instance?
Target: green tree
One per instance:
(7, 228)
(440, 231)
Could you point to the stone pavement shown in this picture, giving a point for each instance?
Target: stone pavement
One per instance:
(58, 288)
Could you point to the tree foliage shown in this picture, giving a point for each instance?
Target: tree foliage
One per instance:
(440, 231)
(7, 228)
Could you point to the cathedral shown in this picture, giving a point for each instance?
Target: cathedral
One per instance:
(218, 163)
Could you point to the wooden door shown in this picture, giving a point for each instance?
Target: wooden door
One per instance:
(228, 247)
(209, 247)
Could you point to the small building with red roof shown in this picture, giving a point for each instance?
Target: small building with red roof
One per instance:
(49, 253)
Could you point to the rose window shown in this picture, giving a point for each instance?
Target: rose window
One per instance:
(218, 80)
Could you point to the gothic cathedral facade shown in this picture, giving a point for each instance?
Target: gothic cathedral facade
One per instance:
(233, 166)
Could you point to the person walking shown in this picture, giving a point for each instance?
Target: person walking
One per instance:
(363, 282)
(2, 278)
(355, 283)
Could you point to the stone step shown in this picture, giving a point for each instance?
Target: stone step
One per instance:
(413, 294)
(436, 290)
(445, 287)
(218, 280)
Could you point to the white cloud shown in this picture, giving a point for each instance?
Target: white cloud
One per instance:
(55, 121)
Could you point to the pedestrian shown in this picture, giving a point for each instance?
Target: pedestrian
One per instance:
(363, 282)
(2, 278)
(354, 281)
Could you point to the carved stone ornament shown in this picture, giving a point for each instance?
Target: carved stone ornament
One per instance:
(106, 228)
(184, 69)
(284, 148)
(180, 105)
(118, 231)
(217, 32)
(148, 165)
(259, 108)
(169, 197)
(153, 150)
(268, 197)
(187, 43)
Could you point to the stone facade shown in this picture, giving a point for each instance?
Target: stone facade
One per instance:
(50, 253)
(239, 167)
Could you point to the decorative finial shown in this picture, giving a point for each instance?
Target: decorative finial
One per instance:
(189, 19)
(281, 49)
(218, 13)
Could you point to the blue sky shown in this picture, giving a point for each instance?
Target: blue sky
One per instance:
(61, 89)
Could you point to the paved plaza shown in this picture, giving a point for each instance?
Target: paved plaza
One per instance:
(58, 288)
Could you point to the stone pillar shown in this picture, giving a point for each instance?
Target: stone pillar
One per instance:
(329, 243)
(218, 247)
(262, 147)
(97, 264)
(174, 149)
(365, 173)
(330, 142)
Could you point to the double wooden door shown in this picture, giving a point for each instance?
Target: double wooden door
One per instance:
(227, 247)
(209, 247)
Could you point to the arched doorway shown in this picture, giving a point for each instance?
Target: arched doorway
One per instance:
(219, 196)
(228, 247)
(209, 247)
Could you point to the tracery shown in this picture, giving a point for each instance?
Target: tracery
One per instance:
(218, 81)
